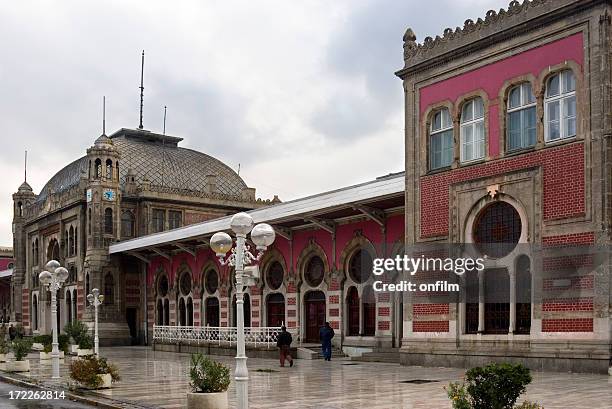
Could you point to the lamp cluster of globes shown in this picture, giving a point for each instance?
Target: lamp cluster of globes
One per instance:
(262, 234)
(53, 267)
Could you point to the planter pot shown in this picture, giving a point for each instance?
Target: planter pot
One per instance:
(207, 400)
(2, 357)
(106, 380)
(74, 349)
(84, 352)
(19, 366)
(49, 355)
(37, 346)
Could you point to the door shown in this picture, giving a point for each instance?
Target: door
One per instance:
(315, 314)
(130, 317)
(276, 310)
(212, 312)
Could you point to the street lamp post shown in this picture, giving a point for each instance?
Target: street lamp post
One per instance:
(95, 299)
(52, 278)
(240, 258)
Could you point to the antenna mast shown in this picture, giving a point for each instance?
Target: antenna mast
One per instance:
(141, 88)
(104, 115)
(165, 107)
(25, 167)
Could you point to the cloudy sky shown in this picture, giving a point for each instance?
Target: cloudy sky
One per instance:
(301, 94)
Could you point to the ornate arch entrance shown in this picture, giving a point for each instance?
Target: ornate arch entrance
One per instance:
(314, 303)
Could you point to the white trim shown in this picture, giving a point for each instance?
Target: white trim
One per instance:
(276, 213)
(6, 273)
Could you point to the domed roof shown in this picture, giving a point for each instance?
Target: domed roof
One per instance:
(158, 159)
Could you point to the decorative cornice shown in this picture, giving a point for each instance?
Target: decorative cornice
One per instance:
(472, 31)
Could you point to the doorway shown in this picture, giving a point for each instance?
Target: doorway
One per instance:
(314, 303)
(276, 310)
(212, 312)
(131, 318)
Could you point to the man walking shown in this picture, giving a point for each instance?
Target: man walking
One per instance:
(326, 333)
(284, 345)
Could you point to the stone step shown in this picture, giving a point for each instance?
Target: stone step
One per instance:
(391, 357)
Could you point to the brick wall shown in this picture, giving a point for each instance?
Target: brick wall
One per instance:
(563, 174)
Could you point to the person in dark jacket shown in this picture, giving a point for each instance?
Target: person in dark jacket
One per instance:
(326, 333)
(12, 332)
(284, 346)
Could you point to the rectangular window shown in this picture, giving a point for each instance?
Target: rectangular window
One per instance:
(175, 219)
(441, 145)
(159, 220)
(521, 120)
(472, 131)
(560, 107)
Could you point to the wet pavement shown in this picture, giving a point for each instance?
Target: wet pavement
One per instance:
(160, 379)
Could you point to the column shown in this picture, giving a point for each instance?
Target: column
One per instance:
(481, 302)
(512, 274)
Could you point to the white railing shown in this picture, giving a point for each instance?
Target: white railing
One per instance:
(255, 336)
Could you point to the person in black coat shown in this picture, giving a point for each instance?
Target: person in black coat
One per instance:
(284, 344)
(326, 333)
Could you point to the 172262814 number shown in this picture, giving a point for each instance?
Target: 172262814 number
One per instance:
(36, 395)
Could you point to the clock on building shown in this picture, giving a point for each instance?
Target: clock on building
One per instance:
(109, 194)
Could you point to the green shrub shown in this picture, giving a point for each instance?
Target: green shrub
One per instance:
(86, 342)
(86, 370)
(458, 395)
(4, 345)
(76, 330)
(19, 331)
(63, 340)
(497, 386)
(208, 376)
(21, 347)
(47, 348)
(43, 339)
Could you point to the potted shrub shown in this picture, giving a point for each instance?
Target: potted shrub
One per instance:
(85, 345)
(4, 346)
(209, 382)
(75, 330)
(20, 347)
(491, 386)
(39, 341)
(93, 373)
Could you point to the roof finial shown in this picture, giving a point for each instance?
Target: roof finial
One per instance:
(141, 88)
(104, 115)
(165, 107)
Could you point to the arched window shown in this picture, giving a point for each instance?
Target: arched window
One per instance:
(53, 251)
(36, 251)
(441, 146)
(497, 229)
(160, 312)
(182, 312)
(68, 306)
(315, 270)
(523, 295)
(109, 169)
(109, 289)
(127, 224)
(352, 309)
(166, 312)
(35, 312)
(89, 221)
(521, 120)
(212, 311)
(162, 288)
(108, 221)
(497, 301)
(74, 305)
(369, 312)
(212, 281)
(275, 275)
(185, 283)
(10, 266)
(275, 306)
(72, 274)
(189, 311)
(472, 130)
(65, 244)
(560, 106)
(20, 208)
(34, 261)
(98, 169)
(71, 242)
(117, 169)
(360, 266)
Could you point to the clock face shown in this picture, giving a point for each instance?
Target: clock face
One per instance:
(108, 194)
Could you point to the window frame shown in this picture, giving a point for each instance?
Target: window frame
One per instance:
(440, 133)
(561, 98)
(154, 225)
(473, 122)
(521, 107)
